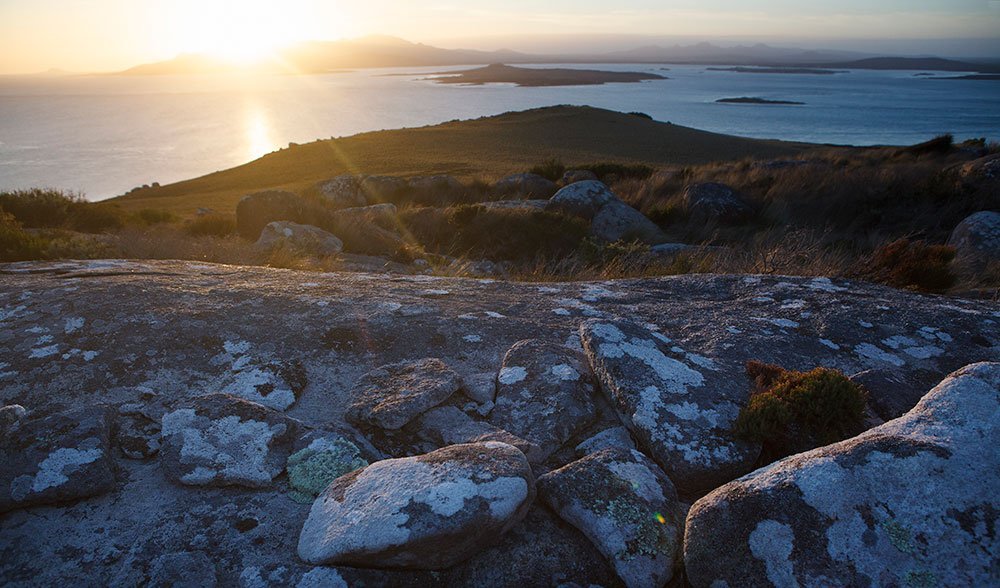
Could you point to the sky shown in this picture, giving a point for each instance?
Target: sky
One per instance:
(107, 35)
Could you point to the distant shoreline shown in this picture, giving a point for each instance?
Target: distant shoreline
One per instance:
(779, 70)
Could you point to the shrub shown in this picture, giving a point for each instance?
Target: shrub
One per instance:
(38, 208)
(608, 172)
(517, 234)
(15, 243)
(552, 169)
(939, 144)
(89, 217)
(211, 225)
(912, 264)
(792, 411)
(153, 216)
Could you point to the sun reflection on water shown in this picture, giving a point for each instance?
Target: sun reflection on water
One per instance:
(258, 133)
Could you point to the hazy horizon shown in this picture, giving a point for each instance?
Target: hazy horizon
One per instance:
(38, 35)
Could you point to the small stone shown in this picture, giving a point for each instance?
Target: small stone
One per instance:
(393, 395)
(323, 460)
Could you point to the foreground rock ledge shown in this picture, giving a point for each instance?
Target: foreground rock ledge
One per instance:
(910, 503)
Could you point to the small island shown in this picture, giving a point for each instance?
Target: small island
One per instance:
(778, 70)
(980, 77)
(532, 77)
(753, 100)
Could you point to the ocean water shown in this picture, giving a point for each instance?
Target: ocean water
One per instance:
(104, 135)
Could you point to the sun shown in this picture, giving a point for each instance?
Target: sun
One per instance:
(243, 32)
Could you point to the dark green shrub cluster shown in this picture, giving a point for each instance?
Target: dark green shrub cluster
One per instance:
(792, 411)
(912, 264)
(496, 234)
(211, 225)
(552, 169)
(605, 171)
(15, 243)
(153, 216)
(53, 209)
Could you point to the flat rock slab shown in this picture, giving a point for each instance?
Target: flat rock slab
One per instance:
(58, 458)
(425, 512)
(393, 395)
(544, 394)
(221, 440)
(628, 509)
(679, 406)
(912, 502)
(184, 329)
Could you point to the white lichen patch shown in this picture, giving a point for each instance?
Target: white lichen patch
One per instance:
(830, 344)
(865, 324)
(321, 578)
(772, 542)
(42, 352)
(512, 375)
(55, 469)
(565, 372)
(496, 315)
(561, 312)
(9, 313)
(472, 338)
(642, 481)
(779, 322)
(875, 353)
(897, 341)
(924, 351)
(824, 285)
(73, 324)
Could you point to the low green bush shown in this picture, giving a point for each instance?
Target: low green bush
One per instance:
(793, 411)
(53, 209)
(153, 216)
(15, 243)
(552, 169)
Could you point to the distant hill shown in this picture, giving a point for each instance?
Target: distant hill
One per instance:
(498, 73)
(381, 51)
(483, 148)
(916, 63)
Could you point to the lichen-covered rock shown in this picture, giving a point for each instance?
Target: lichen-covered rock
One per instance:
(912, 502)
(977, 239)
(393, 395)
(305, 239)
(426, 512)
(343, 191)
(680, 410)
(610, 438)
(582, 199)
(184, 569)
(573, 176)
(617, 221)
(221, 440)
(712, 201)
(435, 190)
(378, 189)
(628, 509)
(544, 394)
(481, 388)
(57, 458)
(525, 185)
(326, 458)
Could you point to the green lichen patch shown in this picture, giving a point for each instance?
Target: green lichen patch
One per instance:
(312, 469)
(921, 579)
(898, 535)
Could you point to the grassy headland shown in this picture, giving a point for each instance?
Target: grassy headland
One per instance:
(486, 148)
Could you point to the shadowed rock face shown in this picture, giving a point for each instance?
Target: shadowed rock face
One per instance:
(911, 502)
(77, 334)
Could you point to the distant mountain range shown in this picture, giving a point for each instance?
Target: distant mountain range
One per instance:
(380, 51)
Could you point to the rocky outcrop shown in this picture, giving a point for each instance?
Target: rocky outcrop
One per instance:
(527, 186)
(378, 189)
(58, 458)
(610, 218)
(343, 191)
(305, 239)
(544, 394)
(425, 512)
(908, 503)
(679, 407)
(714, 202)
(221, 440)
(977, 239)
(627, 508)
(393, 395)
(436, 190)
(304, 340)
